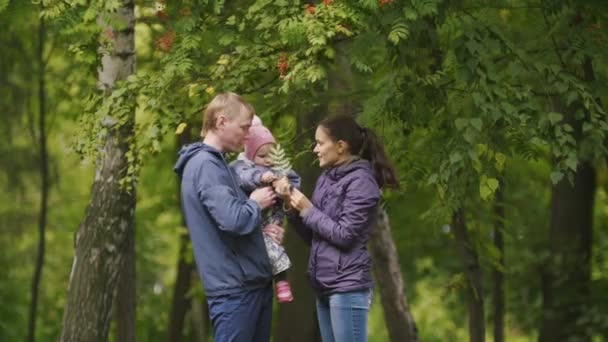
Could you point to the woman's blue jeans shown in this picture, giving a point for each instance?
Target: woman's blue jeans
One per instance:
(343, 316)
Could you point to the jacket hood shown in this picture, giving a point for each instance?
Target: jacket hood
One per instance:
(189, 151)
(342, 170)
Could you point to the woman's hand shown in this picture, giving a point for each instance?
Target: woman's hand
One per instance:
(299, 201)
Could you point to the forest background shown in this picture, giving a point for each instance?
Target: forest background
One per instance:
(493, 111)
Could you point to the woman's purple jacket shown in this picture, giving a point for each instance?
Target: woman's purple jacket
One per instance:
(338, 226)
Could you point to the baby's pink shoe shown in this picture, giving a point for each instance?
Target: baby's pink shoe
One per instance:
(284, 294)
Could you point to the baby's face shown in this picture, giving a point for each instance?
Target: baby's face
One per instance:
(262, 157)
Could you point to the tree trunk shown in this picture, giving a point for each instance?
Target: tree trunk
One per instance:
(201, 325)
(180, 304)
(304, 328)
(44, 177)
(125, 300)
(498, 273)
(473, 274)
(567, 279)
(102, 241)
(387, 270)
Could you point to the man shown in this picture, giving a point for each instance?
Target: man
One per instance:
(224, 225)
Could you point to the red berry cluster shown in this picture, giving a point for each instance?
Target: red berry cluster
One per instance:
(108, 32)
(165, 42)
(327, 2)
(385, 2)
(282, 65)
(162, 15)
(310, 9)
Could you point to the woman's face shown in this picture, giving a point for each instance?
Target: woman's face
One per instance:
(330, 153)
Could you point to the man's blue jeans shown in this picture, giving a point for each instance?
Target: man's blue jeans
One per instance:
(242, 317)
(343, 316)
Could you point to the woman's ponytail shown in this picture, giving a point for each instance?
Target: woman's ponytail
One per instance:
(373, 150)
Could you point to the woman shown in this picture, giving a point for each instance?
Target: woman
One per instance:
(337, 223)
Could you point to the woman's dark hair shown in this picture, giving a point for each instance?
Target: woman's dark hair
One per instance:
(362, 141)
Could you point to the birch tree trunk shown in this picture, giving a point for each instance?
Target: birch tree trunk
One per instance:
(103, 238)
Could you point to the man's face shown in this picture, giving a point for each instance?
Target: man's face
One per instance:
(233, 130)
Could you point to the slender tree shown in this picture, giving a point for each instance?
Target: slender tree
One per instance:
(44, 178)
(387, 271)
(498, 291)
(473, 275)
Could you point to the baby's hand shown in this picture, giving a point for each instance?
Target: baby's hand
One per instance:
(282, 187)
(268, 177)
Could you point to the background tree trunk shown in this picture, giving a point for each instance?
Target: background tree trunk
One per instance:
(473, 274)
(44, 180)
(102, 241)
(201, 325)
(567, 279)
(305, 327)
(387, 271)
(498, 274)
(125, 300)
(180, 303)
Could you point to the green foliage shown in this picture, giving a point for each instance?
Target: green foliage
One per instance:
(279, 160)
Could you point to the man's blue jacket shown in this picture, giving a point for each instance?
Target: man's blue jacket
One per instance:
(224, 223)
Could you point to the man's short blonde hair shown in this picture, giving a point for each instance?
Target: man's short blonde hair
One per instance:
(229, 104)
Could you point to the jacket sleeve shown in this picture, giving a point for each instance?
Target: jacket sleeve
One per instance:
(248, 176)
(232, 213)
(359, 204)
(294, 179)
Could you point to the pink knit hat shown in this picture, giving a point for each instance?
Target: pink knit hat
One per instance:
(258, 137)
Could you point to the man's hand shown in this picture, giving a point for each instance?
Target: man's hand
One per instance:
(275, 232)
(268, 177)
(265, 197)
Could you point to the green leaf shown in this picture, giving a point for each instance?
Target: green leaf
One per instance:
(461, 123)
(571, 97)
(469, 135)
(400, 31)
(481, 149)
(484, 191)
(572, 162)
(477, 123)
(556, 176)
(3, 5)
(280, 162)
(555, 117)
(455, 157)
(487, 187)
(492, 183)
